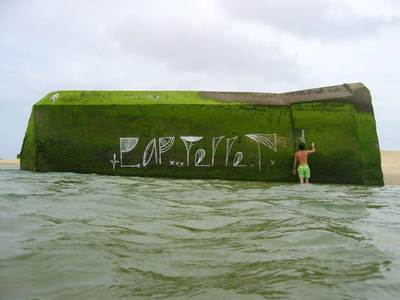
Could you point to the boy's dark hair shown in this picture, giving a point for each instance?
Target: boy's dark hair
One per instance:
(302, 146)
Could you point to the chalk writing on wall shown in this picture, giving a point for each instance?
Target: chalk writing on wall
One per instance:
(152, 97)
(114, 161)
(54, 97)
(188, 141)
(165, 144)
(302, 138)
(157, 147)
(268, 140)
(126, 145)
(215, 142)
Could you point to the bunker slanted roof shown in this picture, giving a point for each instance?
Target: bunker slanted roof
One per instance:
(355, 93)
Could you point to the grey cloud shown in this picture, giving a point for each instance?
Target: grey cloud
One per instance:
(204, 47)
(319, 19)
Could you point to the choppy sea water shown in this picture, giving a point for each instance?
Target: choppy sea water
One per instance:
(71, 236)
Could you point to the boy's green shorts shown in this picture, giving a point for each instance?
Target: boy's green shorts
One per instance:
(304, 171)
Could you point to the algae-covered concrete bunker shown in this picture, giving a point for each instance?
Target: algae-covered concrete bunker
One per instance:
(225, 135)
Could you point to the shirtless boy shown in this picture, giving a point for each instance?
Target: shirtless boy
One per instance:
(303, 170)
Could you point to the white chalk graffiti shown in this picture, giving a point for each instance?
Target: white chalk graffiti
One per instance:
(149, 152)
(302, 138)
(126, 145)
(238, 158)
(229, 144)
(268, 140)
(176, 163)
(188, 141)
(114, 161)
(198, 158)
(165, 144)
(54, 97)
(155, 98)
(156, 147)
(215, 142)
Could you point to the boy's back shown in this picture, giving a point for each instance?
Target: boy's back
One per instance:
(302, 156)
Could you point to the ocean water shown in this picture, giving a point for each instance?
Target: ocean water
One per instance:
(72, 236)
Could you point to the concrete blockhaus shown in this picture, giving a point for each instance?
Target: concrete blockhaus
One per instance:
(226, 135)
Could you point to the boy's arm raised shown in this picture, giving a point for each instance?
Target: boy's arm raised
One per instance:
(312, 148)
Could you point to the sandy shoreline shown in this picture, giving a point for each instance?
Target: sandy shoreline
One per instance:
(390, 166)
(9, 161)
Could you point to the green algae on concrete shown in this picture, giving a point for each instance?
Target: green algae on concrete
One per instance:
(236, 136)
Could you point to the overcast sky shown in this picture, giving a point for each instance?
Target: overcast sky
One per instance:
(224, 45)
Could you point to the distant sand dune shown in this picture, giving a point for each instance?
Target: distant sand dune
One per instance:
(390, 166)
(9, 161)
